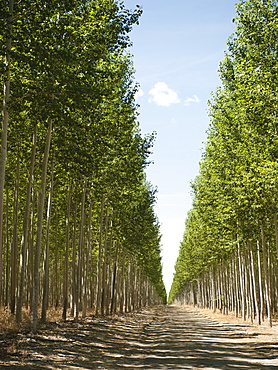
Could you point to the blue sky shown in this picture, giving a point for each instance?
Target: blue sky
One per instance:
(177, 49)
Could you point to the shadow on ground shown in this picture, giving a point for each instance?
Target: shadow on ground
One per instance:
(161, 338)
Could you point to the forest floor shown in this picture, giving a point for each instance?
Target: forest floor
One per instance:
(164, 337)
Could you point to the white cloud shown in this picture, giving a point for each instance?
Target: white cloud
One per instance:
(138, 94)
(194, 99)
(162, 95)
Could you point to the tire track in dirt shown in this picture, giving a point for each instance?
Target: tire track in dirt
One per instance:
(167, 337)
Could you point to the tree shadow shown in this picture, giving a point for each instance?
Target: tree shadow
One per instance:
(164, 338)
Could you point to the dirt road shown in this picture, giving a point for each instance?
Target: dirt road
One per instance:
(161, 338)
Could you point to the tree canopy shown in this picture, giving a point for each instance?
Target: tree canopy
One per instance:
(71, 133)
(234, 214)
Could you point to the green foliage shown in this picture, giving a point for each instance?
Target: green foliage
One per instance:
(69, 63)
(236, 189)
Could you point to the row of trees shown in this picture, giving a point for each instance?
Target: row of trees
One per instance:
(77, 226)
(229, 254)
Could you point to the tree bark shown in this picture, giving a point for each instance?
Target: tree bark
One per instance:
(266, 279)
(73, 264)
(14, 244)
(104, 267)
(66, 261)
(87, 253)
(56, 272)
(276, 232)
(122, 289)
(7, 242)
(99, 264)
(26, 225)
(36, 276)
(4, 134)
(80, 253)
(242, 284)
(46, 251)
(260, 283)
(114, 282)
(257, 311)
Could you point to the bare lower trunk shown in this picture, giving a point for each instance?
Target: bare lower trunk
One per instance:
(99, 264)
(66, 262)
(80, 254)
(114, 283)
(73, 264)
(7, 242)
(260, 283)
(122, 283)
(26, 222)
(266, 279)
(86, 263)
(36, 276)
(104, 268)
(14, 244)
(242, 284)
(257, 311)
(4, 134)
(46, 252)
(276, 232)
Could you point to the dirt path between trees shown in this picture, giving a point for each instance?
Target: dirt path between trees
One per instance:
(169, 337)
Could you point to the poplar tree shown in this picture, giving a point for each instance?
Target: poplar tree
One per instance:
(235, 195)
(72, 105)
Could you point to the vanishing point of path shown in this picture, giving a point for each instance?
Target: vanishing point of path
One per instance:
(169, 337)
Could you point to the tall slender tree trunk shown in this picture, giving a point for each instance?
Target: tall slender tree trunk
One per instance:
(26, 223)
(4, 134)
(266, 279)
(251, 297)
(73, 263)
(242, 284)
(212, 274)
(104, 267)
(66, 261)
(31, 249)
(14, 244)
(114, 282)
(99, 264)
(122, 289)
(36, 276)
(46, 251)
(80, 254)
(276, 232)
(87, 260)
(56, 271)
(260, 283)
(257, 310)
(128, 282)
(109, 271)
(7, 251)
(237, 289)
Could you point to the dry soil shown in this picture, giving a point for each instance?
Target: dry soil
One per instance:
(165, 337)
